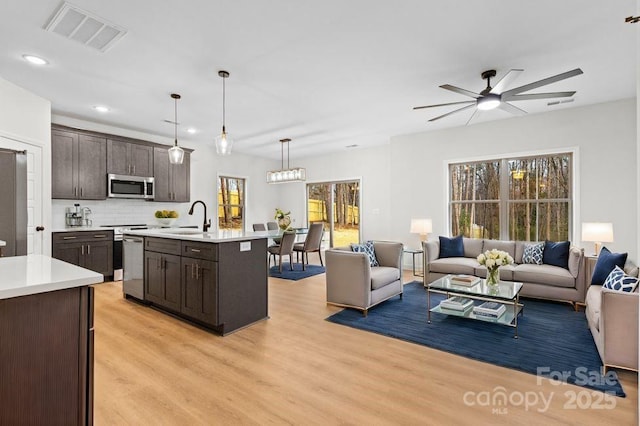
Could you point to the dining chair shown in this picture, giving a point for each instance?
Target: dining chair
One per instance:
(272, 226)
(259, 227)
(284, 249)
(311, 244)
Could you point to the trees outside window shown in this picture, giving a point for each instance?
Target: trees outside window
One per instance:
(526, 198)
(231, 198)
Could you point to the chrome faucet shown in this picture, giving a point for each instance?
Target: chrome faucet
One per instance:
(207, 223)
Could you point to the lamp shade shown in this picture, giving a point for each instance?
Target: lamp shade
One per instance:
(597, 232)
(421, 226)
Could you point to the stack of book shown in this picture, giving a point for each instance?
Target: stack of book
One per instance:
(489, 310)
(456, 305)
(466, 280)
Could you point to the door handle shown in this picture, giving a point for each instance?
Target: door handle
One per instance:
(39, 228)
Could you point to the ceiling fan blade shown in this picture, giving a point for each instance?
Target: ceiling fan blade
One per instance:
(543, 82)
(439, 105)
(472, 115)
(505, 106)
(530, 96)
(506, 81)
(453, 112)
(461, 91)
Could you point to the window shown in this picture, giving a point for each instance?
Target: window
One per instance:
(527, 198)
(231, 193)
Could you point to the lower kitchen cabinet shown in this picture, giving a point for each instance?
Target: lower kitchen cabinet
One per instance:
(88, 249)
(200, 290)
(46, 373)
(162, 279)
(220, 286)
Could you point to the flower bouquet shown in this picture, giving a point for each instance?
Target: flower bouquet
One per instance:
(493, 260)
(284, 220)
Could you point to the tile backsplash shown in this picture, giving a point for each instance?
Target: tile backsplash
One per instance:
(122, 211)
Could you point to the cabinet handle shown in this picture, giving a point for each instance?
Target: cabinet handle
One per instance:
(75, 191)
(197, 271)
(134, 169)
(88, 249)
(81, 191)
(195, 250)
(69, 238)
(82, 249)
(99, 236)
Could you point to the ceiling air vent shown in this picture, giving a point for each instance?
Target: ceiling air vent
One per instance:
(76, 24)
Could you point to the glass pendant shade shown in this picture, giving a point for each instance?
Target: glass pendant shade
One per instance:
(176, 155)
(224, 143)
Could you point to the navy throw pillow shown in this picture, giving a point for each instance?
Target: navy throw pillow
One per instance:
(451, 247)
(556, 254)
(606, 263)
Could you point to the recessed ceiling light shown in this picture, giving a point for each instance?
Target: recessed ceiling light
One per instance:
(351, 146)
(35, 60)
(191, 130)
(101, 108)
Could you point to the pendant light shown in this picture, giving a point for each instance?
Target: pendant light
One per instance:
(297, 174)
(176, 154)
(224, 143)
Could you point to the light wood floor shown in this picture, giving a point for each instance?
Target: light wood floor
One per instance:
(296, 368)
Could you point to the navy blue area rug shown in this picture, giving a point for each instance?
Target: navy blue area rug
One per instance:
(554, 340)
(297, 273)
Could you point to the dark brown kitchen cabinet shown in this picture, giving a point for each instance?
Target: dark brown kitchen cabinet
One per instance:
(78, 166)
(128, 158)
(172, 181)
(88, 249)
(200, 290)
(162, 279)
(46, 373)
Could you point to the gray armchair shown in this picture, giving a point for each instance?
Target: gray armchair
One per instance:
(353, 283)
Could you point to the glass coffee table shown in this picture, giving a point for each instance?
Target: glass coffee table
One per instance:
(505, 292)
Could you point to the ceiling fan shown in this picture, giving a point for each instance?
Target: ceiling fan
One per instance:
(498, 97)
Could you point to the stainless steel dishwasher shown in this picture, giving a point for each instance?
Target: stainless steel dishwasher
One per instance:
(133, 265)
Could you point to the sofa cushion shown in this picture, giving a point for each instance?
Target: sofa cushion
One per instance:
(544, 274)
(519, 251)
(508, 246)
(532, 253)
(606, 263)
(454, 265)
(383, 275)
(619, 281)
(368, 249)
(451, 247)
(556, 254)
(593, 302)
(472, 247)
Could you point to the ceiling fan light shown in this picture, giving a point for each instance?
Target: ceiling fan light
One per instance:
(488, 102)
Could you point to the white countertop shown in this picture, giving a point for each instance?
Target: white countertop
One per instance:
(190, 234)
(83, 228)
(36, 273)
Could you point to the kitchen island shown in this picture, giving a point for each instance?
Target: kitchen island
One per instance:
(217, 280)
(46, 335)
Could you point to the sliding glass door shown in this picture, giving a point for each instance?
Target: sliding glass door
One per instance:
(337, 206)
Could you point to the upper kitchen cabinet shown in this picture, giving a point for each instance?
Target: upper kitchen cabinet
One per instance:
(128, 158)
(172, 181)
(78, 166)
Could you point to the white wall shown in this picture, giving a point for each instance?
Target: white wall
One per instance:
(205, 167)
(407, 179)
(605, 138)
(372, 165)
(26, 117)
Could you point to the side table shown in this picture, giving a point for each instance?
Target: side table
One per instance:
(413, 253)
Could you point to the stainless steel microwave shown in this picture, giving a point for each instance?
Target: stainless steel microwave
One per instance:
(122, 186)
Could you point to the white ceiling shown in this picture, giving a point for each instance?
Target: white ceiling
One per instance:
(326, 74)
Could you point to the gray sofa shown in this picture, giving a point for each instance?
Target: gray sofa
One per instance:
(540, 281)
(353, 283)
(613, 320)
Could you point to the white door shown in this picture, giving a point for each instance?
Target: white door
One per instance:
(34, 191)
